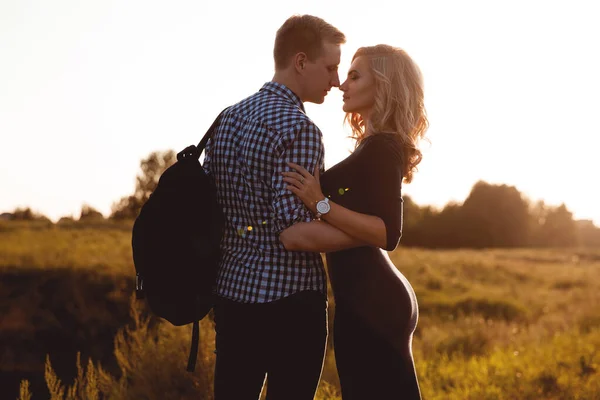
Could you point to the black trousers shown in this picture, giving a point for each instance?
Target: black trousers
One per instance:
(369, 367)
(283, 340)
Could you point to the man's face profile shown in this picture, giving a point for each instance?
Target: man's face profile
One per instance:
(322, 73)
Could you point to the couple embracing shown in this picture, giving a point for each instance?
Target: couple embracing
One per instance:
(282, 210)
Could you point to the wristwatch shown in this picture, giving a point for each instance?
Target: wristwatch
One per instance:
(323, 207)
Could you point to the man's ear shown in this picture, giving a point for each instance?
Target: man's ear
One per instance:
(300, 61)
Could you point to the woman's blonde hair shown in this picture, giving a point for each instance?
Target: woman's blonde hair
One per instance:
(399, 103)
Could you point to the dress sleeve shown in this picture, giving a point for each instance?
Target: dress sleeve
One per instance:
(382, 164)
(302, 145)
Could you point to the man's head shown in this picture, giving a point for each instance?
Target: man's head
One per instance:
(307, 55)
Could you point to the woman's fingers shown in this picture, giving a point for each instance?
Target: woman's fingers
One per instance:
(302, 183)
(301, 170)
(293, 175)
(293, 181)
(293, 189)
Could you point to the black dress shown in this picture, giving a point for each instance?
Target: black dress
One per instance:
(376, 308)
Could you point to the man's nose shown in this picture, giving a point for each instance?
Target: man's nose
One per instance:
(335, 82)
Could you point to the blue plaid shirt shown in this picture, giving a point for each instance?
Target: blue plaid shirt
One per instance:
(245, 157)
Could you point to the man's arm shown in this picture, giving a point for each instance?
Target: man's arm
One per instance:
(302, 145)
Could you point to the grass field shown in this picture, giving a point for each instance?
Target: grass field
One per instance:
(494, 324)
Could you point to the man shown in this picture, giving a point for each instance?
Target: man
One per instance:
(271, 314)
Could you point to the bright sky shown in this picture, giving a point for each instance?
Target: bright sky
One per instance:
(89, 88)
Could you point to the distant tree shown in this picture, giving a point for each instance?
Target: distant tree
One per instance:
(65, 220)
(558, 228)
(152, 168)
(89, 213)
(23, 214)
(412, 216)
(428, 227)
(446, 227)
(537, 217)
(26, 214)
(6, 216)
(413, 227)
(127, 208)
(495, 216)
(589, 234)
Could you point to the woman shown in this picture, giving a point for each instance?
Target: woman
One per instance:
(360, 208)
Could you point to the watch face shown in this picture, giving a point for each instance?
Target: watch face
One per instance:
(323, 207)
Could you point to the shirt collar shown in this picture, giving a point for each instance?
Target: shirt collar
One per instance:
(283, 91)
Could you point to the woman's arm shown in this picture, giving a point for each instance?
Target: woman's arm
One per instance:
(367, 229)
(317, 236)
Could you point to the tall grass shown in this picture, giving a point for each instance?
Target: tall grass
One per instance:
(152, 367)
(494, 324)
(152, 360)
(562, 367)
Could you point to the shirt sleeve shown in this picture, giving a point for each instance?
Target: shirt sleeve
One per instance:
(302, 145)
(382, 162)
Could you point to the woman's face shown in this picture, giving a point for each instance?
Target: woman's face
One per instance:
(359, 88)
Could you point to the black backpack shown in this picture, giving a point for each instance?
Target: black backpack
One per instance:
(175, 242)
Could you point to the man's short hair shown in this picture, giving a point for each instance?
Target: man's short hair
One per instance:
(304, 33)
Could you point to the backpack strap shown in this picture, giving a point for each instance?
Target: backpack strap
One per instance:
(194, 347)
(209, 133)
(195, 151)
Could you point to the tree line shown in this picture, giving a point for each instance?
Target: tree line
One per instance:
(495, 216)
(491, 216)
